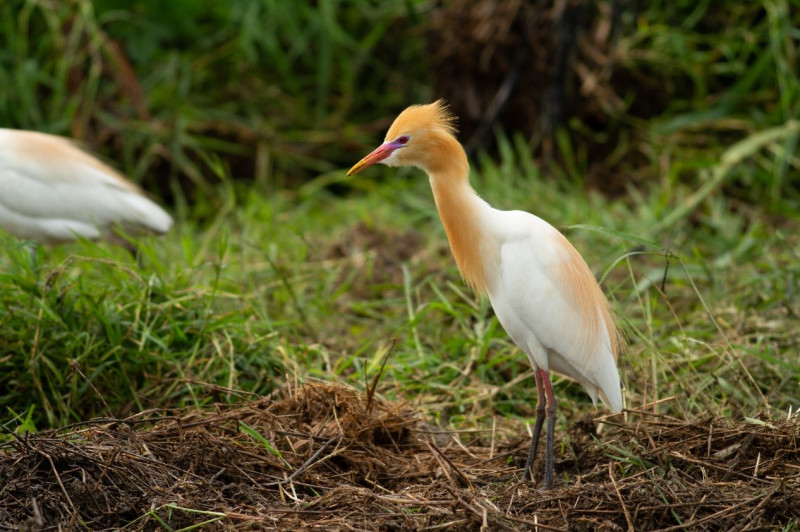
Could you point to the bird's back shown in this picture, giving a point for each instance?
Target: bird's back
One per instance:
(51, 190)
(551, 305)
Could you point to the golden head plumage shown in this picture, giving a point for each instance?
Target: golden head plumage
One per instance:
(426, 129)
(432, 117)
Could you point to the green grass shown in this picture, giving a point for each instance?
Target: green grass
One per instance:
(270, 276)
(301, 285)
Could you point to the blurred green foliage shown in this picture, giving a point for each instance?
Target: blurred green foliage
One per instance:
(171, 88)
(242, 114)
(180, 93)
(719, 73)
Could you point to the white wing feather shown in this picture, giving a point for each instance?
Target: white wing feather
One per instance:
(50, 190)
(534, 305)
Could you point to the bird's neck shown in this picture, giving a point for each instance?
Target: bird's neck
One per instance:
(462, 213)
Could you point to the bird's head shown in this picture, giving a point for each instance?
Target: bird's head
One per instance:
(417, 137)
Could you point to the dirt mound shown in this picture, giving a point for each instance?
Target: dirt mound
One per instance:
(325, 456)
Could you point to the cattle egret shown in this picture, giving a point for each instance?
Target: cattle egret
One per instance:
(51, 191)
(540, 287)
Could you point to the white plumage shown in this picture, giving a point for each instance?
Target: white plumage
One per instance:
(51, 191)
(541, 289)
(537, 312)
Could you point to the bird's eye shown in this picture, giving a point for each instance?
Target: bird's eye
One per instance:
(402, 140)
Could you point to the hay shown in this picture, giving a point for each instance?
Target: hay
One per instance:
(533, 67)
(325, 456)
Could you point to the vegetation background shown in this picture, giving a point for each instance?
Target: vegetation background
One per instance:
(673, 167)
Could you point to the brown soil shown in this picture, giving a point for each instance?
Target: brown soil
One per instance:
(325, 456)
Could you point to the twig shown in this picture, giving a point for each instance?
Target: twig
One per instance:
(619, 496)
(37, 512)
(730, 509)
(107, 465)
(20, 439)
(497, 524)
(494, 433)
(436, 452)
(757, 508)
(308, 463)
(113, 421)
(748, 441)
(376, 378)
(58, 479)
(75, 367)
(697, 506)
(224, 389)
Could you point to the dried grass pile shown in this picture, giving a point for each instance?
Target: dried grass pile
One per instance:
(526, 64)
(325, 456)
(533, 66)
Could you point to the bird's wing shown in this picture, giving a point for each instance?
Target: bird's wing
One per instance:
(556, 303)
(53, 159)
(47, 180)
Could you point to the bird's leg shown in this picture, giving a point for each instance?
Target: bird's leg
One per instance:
(541, 404)
(551, 427)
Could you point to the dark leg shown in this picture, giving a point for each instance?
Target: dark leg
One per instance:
(541, 404)
(551, 426)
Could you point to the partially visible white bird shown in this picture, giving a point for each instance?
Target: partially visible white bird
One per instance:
(51, 191)
(542, 291)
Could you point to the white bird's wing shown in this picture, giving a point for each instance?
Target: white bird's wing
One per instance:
(554, 304)
(50, 189)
